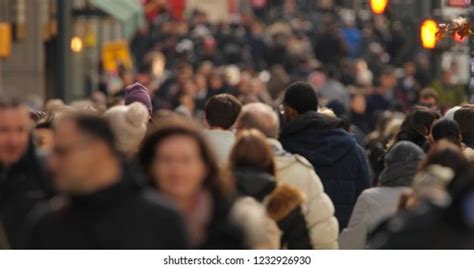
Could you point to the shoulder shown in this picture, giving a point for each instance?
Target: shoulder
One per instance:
(303, 161)
(151, 202)
(283, 200)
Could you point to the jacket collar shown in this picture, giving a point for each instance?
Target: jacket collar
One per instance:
(311, 119)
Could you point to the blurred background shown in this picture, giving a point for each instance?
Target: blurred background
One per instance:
(70, 49)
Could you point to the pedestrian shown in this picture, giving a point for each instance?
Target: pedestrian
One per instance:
(446, 129)
(129, 124)
(445, 153)
(432, 224)
(465, 118)
(295, 170)
(376, 204)
(23, 179)
(417, 126)
(182, 167)
(106, 205)
(337, 159)
(252, 164)
(221, 111)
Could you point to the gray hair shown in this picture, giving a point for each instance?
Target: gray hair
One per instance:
(261, 117)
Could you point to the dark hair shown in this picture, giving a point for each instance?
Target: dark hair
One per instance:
(417, 124)
(252, 151)
(178, 126)
(222, 110)
(429, 93)
(465, 118)
(96, 127)
(446, 154)
(446, 129)
(301, 97)
(449, 155)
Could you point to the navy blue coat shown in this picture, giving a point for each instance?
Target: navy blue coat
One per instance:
(337, 158)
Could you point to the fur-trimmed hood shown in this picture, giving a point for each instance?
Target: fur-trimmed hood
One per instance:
(283, 200)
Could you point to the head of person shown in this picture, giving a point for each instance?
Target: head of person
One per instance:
(251, 151)
(15, 129)
(179, 162)
(446, 154)
(417, 124)
(44, 136)
(221, 111)
(129, 124)
(465, 118)
(387, 79)
(261, 117)
(446, 129)
(299, 98)
(429, 98)
(401, 164)
(84, 158)
(409, 68)
(138, 93)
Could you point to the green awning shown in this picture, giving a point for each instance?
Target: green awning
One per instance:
(128, 12)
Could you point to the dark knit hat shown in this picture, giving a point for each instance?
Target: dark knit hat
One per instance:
(401, 164)
(138, 93)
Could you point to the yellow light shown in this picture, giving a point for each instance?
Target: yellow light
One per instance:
(428, 34)
(76, 44)
(378, 6)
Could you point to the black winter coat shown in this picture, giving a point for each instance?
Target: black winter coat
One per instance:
(124, 216)
(283, 205)
(337, 158)
(22, 187)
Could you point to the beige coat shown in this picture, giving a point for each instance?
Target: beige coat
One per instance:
(318, 209)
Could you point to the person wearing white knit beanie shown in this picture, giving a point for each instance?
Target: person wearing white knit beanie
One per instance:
(129, 124)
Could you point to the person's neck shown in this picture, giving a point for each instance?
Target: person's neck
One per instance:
(187, 204)
(109, 174)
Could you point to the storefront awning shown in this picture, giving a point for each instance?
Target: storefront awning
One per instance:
(128, 12)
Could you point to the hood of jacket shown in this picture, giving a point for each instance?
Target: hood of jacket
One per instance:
(254, 183)
(317, 137)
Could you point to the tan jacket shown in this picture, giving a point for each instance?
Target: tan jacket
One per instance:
(318, 209)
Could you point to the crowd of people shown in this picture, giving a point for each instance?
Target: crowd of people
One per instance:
(291, 129)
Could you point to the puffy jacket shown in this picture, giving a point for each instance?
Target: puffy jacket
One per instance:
(318, 209)
(337, 158)
(283, 204)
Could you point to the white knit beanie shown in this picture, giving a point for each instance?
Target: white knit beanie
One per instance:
(129, 124)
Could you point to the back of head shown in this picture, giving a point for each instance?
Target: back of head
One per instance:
(417, 123)
(301, 97)
(465, 118)
(401, 164)
(252, 151)
(446, 129)
(129, 124)
(446, 154)
(261, 117)
(222, 110)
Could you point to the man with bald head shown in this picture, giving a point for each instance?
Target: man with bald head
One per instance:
(23, 182)
(295, 170)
